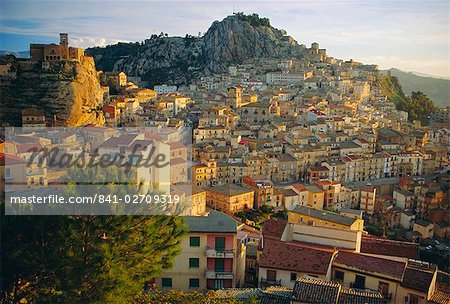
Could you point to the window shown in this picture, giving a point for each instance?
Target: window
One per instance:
(166, 282)
(360, 282)
(293, 276)
(414, 299)
(194, 241)
(383, 287)
(220, 243)
(194, 262)
(339, 275)
(7, 172)
(193, 283)
(271, 275)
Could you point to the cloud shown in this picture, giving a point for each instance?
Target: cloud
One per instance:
(85, 42)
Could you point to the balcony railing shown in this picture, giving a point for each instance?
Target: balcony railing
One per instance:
(217, 274)
(268, 282)
(219, 253)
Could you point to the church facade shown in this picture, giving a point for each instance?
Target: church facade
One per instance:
(55, 52)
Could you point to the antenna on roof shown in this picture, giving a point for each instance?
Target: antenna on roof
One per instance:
(234, 12)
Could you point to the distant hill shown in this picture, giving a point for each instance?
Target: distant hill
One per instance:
(178, 60)
(22, 54)
(437, 89)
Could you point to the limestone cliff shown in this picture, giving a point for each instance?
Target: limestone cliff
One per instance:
(69, 91)
(179, 60)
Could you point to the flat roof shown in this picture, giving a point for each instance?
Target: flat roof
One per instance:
(324, 215)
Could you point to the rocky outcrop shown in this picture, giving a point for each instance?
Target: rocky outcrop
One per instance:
(179, 60)
(68, 91)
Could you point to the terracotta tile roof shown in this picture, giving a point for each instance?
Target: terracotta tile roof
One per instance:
(276, 295)
(311, 290)
(151, 135)
(274, 228)
(177, 161)
(139, 145)
(238, 293)
(388, 247)
(7, 159)
(32, 112)
(317, 246)
(440, 297)
(366, 263)
(418, 278)
(176, 145)
(281, 255)
(355, 296)
(229, 190)
(318, 168)
(28, 147)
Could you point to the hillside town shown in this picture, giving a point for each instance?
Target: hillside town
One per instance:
(306, 184)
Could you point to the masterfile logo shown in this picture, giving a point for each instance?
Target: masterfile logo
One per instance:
(96, 170)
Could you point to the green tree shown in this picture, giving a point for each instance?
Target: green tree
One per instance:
(418, 105)
(85, 258)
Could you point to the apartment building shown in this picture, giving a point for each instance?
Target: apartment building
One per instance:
(264, 189)
(212, 256)
(229, 198)
(12, 172)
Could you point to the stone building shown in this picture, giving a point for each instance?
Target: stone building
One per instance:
(55, 52)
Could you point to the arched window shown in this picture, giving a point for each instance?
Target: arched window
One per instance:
(46, 57)
(57, 57)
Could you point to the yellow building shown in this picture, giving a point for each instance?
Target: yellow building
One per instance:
(192, 199)
(425, 228)
(204, 174)
(229, 198)
(114, 79)
(310, 195)
(12, 172)
(210, 133)
(399, 280)
(173, 103)
(33, 118)
(211, 256)
(142, 94)
(322, 218)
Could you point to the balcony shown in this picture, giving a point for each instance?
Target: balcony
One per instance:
(219, 253)
(267, 282)
(217, 274)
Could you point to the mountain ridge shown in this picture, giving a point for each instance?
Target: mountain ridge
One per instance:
(177, 60)
(437, 89)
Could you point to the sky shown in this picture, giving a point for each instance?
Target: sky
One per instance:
(409, 35)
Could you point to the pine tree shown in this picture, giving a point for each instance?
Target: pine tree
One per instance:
(86, 258)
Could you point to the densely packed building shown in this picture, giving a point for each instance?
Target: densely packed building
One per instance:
(313, 137)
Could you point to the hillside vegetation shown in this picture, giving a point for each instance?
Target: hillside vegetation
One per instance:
(437, 89)
(418, 105)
